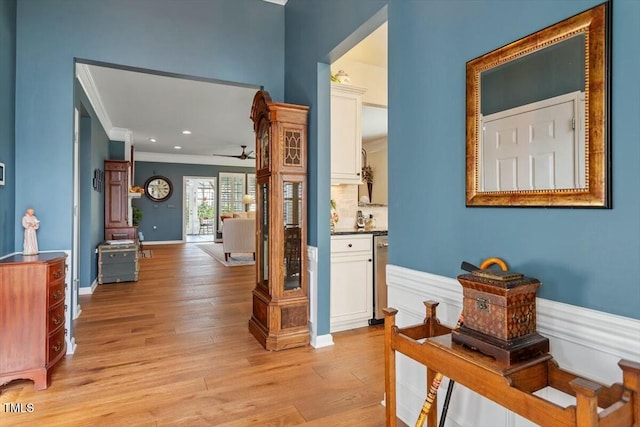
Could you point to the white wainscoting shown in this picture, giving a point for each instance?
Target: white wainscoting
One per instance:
(317, 341)
(587, 342)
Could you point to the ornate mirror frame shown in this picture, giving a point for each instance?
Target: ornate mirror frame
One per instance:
(594, 24)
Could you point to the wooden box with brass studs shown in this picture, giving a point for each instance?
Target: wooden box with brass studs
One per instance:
(118, 263)
(500, 317)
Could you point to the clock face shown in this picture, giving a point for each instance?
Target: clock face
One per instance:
(158, 188)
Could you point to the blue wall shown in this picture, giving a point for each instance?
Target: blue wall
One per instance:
(585, 257)
(7, 128)
(240, 41)
(318, 33)
(167, 216)
(589, 258)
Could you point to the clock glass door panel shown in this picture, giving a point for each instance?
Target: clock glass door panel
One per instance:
(263, 243)
(292, 199)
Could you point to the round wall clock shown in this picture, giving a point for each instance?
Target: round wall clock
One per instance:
(158, 188)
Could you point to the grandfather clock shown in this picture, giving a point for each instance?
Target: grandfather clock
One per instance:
(280, 299)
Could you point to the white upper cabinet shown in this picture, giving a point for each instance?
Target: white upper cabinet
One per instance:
(346, 134)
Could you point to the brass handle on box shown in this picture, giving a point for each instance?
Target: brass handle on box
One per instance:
(490, 261)
(57, 274)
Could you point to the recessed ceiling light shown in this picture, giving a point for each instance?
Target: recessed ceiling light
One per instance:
(186, 132)
(177, 147)
(153, 140)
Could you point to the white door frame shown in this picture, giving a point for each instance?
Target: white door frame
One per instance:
(72, 296)
(184, 202)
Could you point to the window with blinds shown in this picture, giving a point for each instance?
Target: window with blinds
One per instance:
(231, 190)
(251, 190)
(232, 187)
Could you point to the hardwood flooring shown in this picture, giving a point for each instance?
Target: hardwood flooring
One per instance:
(173, 349)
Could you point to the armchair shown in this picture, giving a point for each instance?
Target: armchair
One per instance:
(239, 236)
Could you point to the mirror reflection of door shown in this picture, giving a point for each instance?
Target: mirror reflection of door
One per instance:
(532, 108)
(536, 146)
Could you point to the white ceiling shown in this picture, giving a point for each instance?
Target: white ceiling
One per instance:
(144, 106)
(372, 50)
(161, 107)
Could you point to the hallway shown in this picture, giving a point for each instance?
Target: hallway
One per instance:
(174, 349)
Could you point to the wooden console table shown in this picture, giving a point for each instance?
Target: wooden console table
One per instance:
(511, 386)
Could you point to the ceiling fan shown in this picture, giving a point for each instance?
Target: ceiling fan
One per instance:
(243, 156)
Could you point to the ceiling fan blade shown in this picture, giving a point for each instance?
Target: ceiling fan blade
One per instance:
(242, 156)
(227, 155)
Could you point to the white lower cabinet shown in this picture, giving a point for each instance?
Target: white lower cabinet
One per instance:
(351, 281)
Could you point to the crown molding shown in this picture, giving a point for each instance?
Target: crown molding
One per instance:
(83, 74)
(144, 156)
(121, 134)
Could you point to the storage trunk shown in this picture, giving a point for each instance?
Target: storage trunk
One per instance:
(500, 317)
(117, 263)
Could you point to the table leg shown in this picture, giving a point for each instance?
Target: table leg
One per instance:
(389, 368)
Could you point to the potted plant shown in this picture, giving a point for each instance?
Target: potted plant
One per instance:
(137, 215)
(205, 211)
(334, 215)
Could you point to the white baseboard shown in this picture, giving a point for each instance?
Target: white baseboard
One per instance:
(162, 242)
(88, 290)
(317, 341)
(345, 325)
(312, 281)
(587, 342)
(320, 341)
(11, 254)
(71, 346)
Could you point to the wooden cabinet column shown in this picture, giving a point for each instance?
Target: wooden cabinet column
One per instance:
(116, 201)
(280, 317)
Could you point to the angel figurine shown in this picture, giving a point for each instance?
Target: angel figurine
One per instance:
(30, 224)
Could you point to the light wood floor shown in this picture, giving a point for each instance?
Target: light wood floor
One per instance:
(173, 349)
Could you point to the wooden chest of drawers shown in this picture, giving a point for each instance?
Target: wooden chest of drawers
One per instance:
(32, 316)
(118, 263)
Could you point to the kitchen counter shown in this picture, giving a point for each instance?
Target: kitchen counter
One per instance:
(345, 231)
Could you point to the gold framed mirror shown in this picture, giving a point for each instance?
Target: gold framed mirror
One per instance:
(537, 118)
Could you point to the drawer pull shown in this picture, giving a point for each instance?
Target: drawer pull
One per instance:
(57, 347)
(350, 245)
(57, 320)
(57, 294)
(482, 304)
(58, 274)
